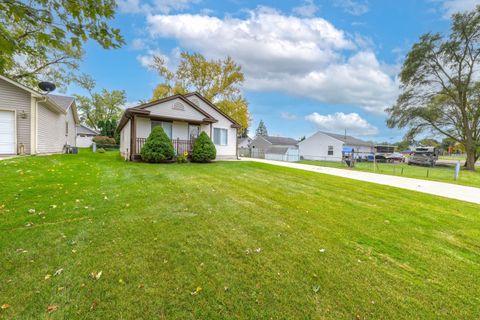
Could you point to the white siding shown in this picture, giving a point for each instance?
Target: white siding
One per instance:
(72, 128)
(84, 142)
(230, 150)
(51, 130)
(166, 109)
(14, 98)
(125, 139)
(316, 148)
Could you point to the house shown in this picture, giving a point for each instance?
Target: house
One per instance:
(244, 146)
(85, 136)
(261, 144)
(329, 146)
(182, 117)
(34, 123)
(282, 154)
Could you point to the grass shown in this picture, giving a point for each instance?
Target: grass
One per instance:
(442, 173)
(228, 240)
(454, 157)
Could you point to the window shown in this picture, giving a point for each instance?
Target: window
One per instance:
(220, 136)
(167, 127)
(330, 150)
(193, 131)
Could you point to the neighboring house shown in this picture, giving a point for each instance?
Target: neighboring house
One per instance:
(261, 144)
(244, 146)
(282, 153)
(85, 136)
(34, 123)
(329, 146)
(182, 117)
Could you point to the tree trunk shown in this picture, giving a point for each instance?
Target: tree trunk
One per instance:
(471, 159)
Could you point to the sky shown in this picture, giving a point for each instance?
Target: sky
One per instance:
(309, 65)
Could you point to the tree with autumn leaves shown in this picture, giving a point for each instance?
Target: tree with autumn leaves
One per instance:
(219, 81)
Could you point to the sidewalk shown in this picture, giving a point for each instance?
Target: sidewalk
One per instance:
(448, 190)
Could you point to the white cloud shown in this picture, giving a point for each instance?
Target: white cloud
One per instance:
(307, 57)
(146, 60)
(354, 7)
(307, 9)
(340, 121)
(453, 6)
(154, 6)
(287, 115)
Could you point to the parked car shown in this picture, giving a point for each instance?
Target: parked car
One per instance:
(396, 156)
(424, 156)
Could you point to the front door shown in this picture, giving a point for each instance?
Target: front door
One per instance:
(7, 132)
(193, 131)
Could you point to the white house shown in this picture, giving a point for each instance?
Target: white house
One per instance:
(85, 136)
(261, 144)
(182, 117)
(329, 146)
(34, 123)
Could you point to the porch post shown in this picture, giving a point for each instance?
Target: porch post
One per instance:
(133, 138)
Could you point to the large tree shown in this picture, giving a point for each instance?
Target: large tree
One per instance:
(217, 80)
(43, 39)
(99, 110)
(441, 88)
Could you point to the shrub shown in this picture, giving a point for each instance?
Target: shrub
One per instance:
(158, 147)
(183, 158)
(104, 140)
(101, 150)
(203, 149)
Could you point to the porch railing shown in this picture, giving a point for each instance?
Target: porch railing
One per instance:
(180, 146)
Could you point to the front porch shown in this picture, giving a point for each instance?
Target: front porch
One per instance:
(180, 146)
(182, 132)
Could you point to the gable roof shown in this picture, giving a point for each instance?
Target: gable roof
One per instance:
(177, 96)
(235, 123)
(81, 129)
(277, 150)
(21, 86)
(280, 140)
(62, 101)
(348, 140)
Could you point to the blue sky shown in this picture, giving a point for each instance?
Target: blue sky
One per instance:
(309, 65)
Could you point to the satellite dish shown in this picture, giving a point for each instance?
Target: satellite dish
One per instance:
(46, 86)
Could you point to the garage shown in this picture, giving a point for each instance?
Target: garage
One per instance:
(7, 132)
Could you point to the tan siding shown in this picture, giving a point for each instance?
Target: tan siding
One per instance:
(51, 130)
(12, 97)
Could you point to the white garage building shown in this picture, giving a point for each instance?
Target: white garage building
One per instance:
(85, 136)
(325, 146)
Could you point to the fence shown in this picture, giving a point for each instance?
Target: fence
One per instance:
(180, 146)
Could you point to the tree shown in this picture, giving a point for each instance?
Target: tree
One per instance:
(440, 87)
(44, 38)
(203, 149)
(158, 147)
(219, 81)
(261, 129)
(99, 111)
(429, 142)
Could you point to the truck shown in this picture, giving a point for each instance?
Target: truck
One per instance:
(424, 156)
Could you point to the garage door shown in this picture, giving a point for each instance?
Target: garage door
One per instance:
(7, 132)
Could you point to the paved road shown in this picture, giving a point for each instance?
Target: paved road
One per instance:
(448, 190)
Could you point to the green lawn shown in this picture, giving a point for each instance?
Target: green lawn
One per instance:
(441, 173)
(227, 240)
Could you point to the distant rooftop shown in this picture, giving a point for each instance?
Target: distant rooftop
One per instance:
(349, 140)
(63, 101)
(281, 140)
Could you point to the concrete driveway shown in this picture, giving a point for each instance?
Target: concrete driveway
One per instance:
(448, 190)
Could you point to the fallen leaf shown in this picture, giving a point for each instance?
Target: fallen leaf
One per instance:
(58, 272)
(52, 308)
(197, 291)
(5, 306)
(96, 275)
(93, 306)
(47, 277)
(60, 288)
(31, 210)
(322, 250)
(316, 288)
